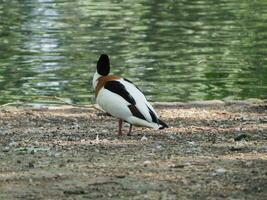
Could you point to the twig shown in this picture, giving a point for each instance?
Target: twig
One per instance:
(62, 100)
(81, 106)
(57, 98)
(8, 104)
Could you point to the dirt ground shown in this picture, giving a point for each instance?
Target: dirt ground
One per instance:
(212, 150)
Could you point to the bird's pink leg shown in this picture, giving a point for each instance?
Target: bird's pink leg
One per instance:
(120, 127)
(130, 130)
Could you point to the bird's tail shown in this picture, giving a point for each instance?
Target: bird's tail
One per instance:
(162, 124)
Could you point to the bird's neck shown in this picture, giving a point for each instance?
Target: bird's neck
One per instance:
(95, 79)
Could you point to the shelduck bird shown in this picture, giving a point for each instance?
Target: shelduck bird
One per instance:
(122, 99)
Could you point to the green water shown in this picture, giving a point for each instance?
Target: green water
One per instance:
(174, 50)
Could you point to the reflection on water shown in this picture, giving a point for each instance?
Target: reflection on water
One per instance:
(173, 50)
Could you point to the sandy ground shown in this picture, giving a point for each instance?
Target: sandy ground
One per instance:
(212, 150)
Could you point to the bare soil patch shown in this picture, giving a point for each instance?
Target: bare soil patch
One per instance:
(212, 150)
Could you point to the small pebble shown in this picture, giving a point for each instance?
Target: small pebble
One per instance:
(219, 171)
(144, 138)
(147, 162)
(31, 165)
(6, 149)
(191, 143)
(241, 137)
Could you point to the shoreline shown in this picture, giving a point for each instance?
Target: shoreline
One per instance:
(62, 103)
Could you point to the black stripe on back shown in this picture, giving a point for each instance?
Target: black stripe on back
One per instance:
(153, 116)
(134, 110)
(118, 88)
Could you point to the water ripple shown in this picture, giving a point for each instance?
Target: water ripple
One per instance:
(174, 50)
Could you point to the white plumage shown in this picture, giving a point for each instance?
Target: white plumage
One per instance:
(122, 99)
(117, 106)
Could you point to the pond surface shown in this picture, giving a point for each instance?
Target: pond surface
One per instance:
(174, 50)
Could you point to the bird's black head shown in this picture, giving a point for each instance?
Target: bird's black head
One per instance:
(103, 66)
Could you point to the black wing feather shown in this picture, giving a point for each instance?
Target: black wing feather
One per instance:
(118, 88)
(134, 110)
(163, 124)
(153, 116)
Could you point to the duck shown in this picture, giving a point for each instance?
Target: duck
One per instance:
(120, 98)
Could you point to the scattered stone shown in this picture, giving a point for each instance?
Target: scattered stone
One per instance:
(219, 171)
(147, 162)
(191, 143)
(31, 165)
(172, 137)
(13, 144)
(241, 137)
(177, 166)
(120, 176)
(97, 138)
(74, 192)
(236, 148)
(144, 138)
(6, 149)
